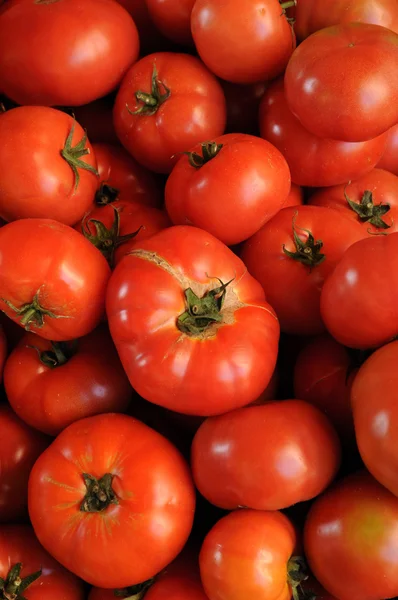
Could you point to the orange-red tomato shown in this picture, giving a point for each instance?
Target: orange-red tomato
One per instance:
(295, 197)
(173, 19)
(389, 160)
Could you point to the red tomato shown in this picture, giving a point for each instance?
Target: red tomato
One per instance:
(355, 519)
(243, 42)
(341, 82)
(292, 255)
(372, 200)
(167, 103)
(52, 280)
(29, 572)
(173, 19)
(295, 197)
(311, 16)
(265, 457)
(358, 302)
(314, 161)
(85, 49)
(20, 446)
(52, 385)
(112, 500)
(3, 351)
(97, 120)
(374, 404)
(389, 160)
(248, 554)
(243, 102)
(117, 228)
(248, 177)
(192, 327)
(55, 172)
(122, 178)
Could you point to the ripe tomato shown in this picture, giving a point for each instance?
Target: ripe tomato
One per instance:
(3, 351)
(295, 197)
(243, 42)
(20, 446)
(249, 554)
(311, 16)
(52, 280)
(371, 200)
(115, 229)
(97, 119)
(247, 175)
(85, 49)
(292, 255)
(389, 160)
(173, 19)
(374, 404)
(243, 102)
(341, 82)
(166, 104)
(356, 518)
(192, 327)
(364, 287)
(112, 500)
(28, 571)
(323, 375)
(51, 385)
(314, 161)
(55, 175)
(265, 457)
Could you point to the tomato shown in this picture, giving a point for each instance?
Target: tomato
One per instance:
(341, 82)
(97, 120)
(376, 415)
(243, 42)
(51, 385)
(311, 16)
(247, 175)
(364, 287)
(29, 572)
(112, 500)
(52, 280)
(248, 554)
(84, 50)
(314, 161)
(323, 375)
(355, 519)
(47, 166)
(122, 178)
(243, 102)
(292, 255)
(295, 197)
(115, 229)
(389, 160)
(173, 19)
(265, 457)
(166, 104)
(192, 327)
(3, 351)
(371, 200)
(20, 446)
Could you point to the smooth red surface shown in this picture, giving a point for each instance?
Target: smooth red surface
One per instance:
(173, 19)
(389, 160)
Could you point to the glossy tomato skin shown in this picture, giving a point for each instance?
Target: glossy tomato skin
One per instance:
(355, 518)
(375, 412)
(194, 111)
(84, 51)
(49, 263)
(37, 135)
(18, 544)
(314, 161)
(249, 179)
(132, 539)
(50, 398)
(363, 281)
(364, 57)
(180, 370)
(256, 442)
(283, 277)
(295, 197)
(173, 19)
(389, 160)
(242, 42)
(20, 446)
(231, 559)
(119, 170)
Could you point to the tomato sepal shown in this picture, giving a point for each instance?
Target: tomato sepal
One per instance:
(99, 494)
(73, 154)
(151, 101)
(13, 587)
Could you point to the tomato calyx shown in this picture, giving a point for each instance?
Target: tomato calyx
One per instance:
(13, 587)
(202, 312)
(367, 211)
(297, 572)
(151, 101)
(99, 494)
(73, 155)
(32, 313)
(209, 151)
(307, 253)
(134, 592)
(106, 194)
(60, 353)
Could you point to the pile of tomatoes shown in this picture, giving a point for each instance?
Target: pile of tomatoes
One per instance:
(199, 299)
